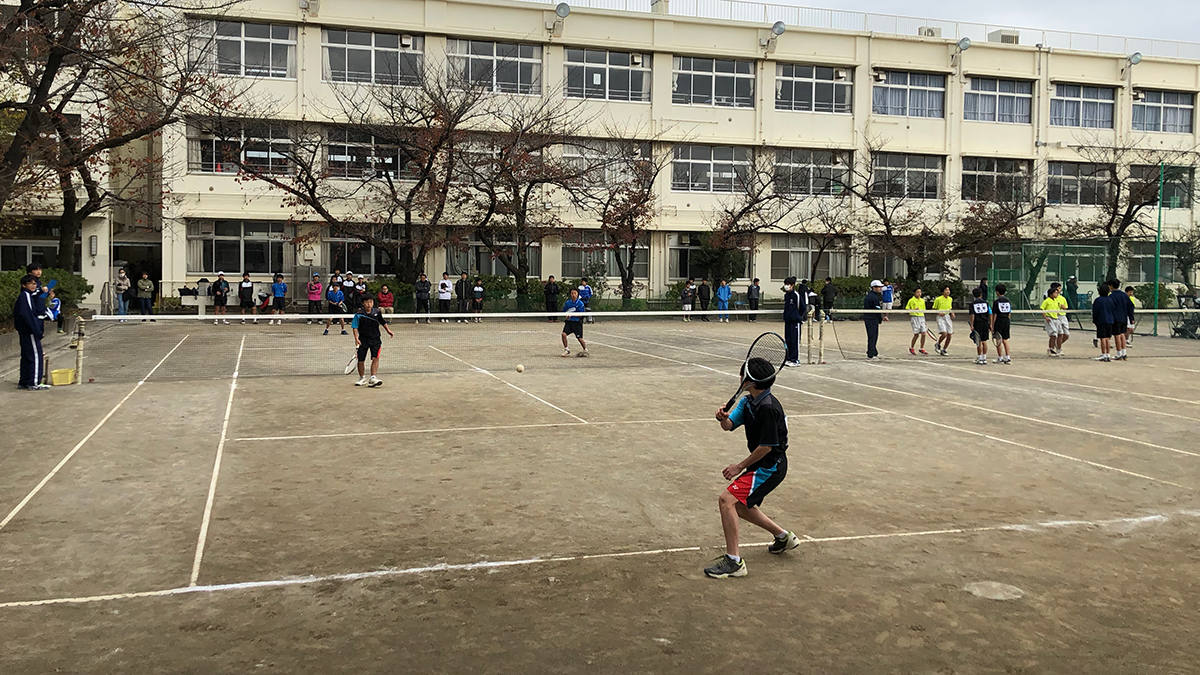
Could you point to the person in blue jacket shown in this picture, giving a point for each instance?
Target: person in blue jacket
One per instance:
(585, 295)
(1104, 312)
(337, 306)
(27, 319)
(575, 310)
(795, 307)
(724, 293)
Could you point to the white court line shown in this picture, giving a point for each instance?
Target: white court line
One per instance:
(994, 411)
(946, 426)
(212, 485)
(1059, 382)
(1025, 528)
(1141, 362)
(498, 379)
(32, 493)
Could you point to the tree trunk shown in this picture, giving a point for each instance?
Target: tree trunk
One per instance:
(1031, 276)
(1114, 255)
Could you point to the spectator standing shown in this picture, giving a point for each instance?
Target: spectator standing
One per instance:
(386, 300)
(54, 310)
(278, 298)
(30, 329)
(360, 291)
(794, 309)
(753, 297)
(336, 298)
(145, 294)
(814, 301)
(1132, 307)
(1072, 292)
(983, 288)
(121, 286)
(421, 289)
(445, 287)
(687, 296)
(551, 291)
(348, 292)
(220, 295)
(828, 294)
(246, 297)
(585, 294)
(462, 289)
(871, 322)
(888, 295)
(724, 293)
(704, 295)
(477, 299)
(314, 290)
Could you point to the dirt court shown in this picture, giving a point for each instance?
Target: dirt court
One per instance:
(223, 500)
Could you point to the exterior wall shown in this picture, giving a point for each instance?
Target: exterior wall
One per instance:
(307, 97)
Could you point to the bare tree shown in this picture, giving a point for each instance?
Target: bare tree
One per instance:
(829, 223)
(1187, 256)
(1122, 181)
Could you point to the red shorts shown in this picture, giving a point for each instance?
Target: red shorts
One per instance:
(751, 487)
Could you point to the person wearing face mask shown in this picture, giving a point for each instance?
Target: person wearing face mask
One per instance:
(795, 306)
(120, 288)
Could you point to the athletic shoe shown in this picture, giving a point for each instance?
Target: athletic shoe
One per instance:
(61, 331)
(792, 364)
(582, 353)
(326, 332)
(924, 353)
(225, 321)
(243, 322)
(786, 542)
(417, 321)
(725, 567)
(361, 381)
(374, 381)
(344, 332)
(873, 358)
(214, 322)
(41, 386)
(1102, 357)
(566, 352)
(256, 322)
(1095, 342)
(1050, 352)
(912, 351)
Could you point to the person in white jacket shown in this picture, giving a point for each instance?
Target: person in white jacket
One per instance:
(444, 290)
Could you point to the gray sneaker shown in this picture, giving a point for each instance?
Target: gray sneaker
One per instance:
(725, 567)
(786, 542)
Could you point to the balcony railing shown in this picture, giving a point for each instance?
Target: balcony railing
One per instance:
(836, 19)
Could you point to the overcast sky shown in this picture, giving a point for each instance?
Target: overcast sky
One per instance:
(1172, 19)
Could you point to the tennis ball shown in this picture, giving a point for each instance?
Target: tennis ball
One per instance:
(520, 368)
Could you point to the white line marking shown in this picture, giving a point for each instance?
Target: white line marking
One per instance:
(682, 349)
(1059, 382)
(1141, 362)
(946, 426)
(212, 485)
(1050, 526)
(494, 377)
(32, 493)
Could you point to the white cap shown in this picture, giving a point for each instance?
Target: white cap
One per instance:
(360, 276)
(220, 274)
(875, 282)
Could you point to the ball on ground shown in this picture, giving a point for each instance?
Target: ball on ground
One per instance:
(520, 368)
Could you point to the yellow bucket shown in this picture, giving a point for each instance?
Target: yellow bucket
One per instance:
(62, 376)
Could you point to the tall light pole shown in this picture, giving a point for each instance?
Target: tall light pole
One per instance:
(1158, 242)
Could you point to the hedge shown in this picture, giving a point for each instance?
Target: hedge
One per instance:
(71, 289)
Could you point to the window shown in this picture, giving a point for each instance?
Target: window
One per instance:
(992, 179)
(811, 172)
(907, 176)
(813, 88)
(1166, 111)
(792, 255)
(1078, 183)
(1075, 105)
(605, 161)
(235, 246)
(222, 148)
(683, 259)
(1177, 184)
(909, 94)
(15, 255)
(705, 168)
(989, 100)
(590, 248)
(473, 257)
(355, 154)
(357, 256)
(718, 82)
(615, 76)
(1139, 258)
(503, 67)
(255, 49)
(372, 58)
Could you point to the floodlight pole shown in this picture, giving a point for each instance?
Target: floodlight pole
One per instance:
(1158, 243)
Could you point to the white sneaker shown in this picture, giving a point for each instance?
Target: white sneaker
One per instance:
(362, 381)
(566, 352)
(374, 381)
(225, 321)
(417, 321)
(791, 364)
(214, 322)
(243, 321)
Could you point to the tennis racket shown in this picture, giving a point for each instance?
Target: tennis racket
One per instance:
(769, 347)
(352, 364)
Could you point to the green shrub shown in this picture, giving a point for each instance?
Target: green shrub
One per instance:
(675, 290)
(851, 286)
(70, 290)
(1145, 294)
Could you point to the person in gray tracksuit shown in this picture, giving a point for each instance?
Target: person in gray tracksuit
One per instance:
(421, 291)
(753, 296)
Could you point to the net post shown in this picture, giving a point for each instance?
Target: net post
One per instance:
(821, 343)
(808, 322)
(79, 350)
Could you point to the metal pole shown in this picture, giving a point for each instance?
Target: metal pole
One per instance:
(808, 321)
(1158, 243)
(79, 350)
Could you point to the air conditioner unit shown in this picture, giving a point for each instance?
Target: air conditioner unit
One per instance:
(929, 31)
(1139, 95)
(880, 76)
(841, 75)
(635, 59)
(206, 228)
(1008, 37)
(406, 41)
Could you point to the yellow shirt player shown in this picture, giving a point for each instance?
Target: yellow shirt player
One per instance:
(1055, 321)
(944, 303)
(917, 318)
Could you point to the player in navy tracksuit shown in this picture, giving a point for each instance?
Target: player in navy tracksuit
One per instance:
(27, 318)
(795, 307)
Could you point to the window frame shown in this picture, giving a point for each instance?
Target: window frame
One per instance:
(278, 234)
(735, 182)
(198, 134)
(812, 172)
(374, 51)
(462, 59)
(287, 44)
(997, 96)
(995, 175)
(738, 72)
(1155, 99)
(802, 247)
(1066, 93)
(892, 83)
(346, 139)
(905, 172)
(1055, 175)
(606, 70)
(1177, 197)
(790, 77)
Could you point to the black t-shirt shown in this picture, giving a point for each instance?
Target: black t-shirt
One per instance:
(765, 424)
(979, 311)
(1002, 308)
(368, 326)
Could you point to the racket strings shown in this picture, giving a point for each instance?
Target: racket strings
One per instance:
(772, 349)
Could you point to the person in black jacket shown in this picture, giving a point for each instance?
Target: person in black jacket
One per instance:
(795, 307)
(30, 328)
(704, 294)
(421, 291)
(462, 289)
(828, 293)
(871, 321)
(551, 291)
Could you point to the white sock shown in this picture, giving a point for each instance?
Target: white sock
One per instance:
(782, 535)
(734, 558)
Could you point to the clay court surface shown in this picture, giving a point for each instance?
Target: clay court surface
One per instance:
(465, 518)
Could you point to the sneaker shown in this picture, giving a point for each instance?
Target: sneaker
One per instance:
(582, 353)
(912, 351)
(1095, 342)
(792, 364)
(309, 322)
(566, 352)
(326, 332)
(41, 386)
(243, 322)
(1102, 357)
(417, 321)
(1050, 352)
(725, 567)
(344, 332)
(61, 331)
(256, 322)
(225, 321)
(924, 353)
(361, 381)
(214, 322)
(374, 381)
(786, 542)
(873, 358)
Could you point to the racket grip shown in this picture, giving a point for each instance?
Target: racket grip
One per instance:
(729, 405)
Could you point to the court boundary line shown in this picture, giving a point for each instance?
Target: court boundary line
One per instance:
(216, 472)
(945, 426)
(505, 427)
(1037, 527)
(499, 379)
(63, 462)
